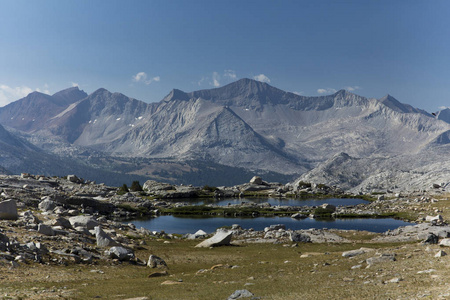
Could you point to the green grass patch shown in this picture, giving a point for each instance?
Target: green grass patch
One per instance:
(223, 211)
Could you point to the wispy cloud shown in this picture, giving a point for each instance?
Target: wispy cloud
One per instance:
(74, 84)
(142, 77)
(443, 107)
(352, 88)
(326, 91)
(201, 81)
(332, 91)
(216, 78)
(44, 90)
(9, 94)
(230, 74)
(262, 78)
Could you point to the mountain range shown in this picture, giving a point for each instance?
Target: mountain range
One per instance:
(240, 129)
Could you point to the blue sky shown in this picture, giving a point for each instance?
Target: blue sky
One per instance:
(144, 49)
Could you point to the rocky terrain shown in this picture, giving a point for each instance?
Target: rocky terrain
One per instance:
(52, 223)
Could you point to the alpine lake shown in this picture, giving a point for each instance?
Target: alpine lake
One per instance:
(183, 224)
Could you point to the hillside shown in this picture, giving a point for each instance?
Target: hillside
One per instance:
(246, 124)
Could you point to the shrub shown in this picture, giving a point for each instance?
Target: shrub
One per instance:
(136, 186)
(123, 190)
(209, 188)
(304, 185)
(321, 212)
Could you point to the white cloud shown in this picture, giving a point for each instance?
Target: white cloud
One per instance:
(74, 84)
(216, 78)
(229, 74)
(200, 82)
(142, 77)
(10, 94)
(298, 93)
(326, 91)
(352, 88)
(262, 78)
(443, 107)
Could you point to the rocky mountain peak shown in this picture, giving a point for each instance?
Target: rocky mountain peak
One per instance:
(100, 91)
(443, 115)
(242, 92)
(397, 106)
(70, 95)
(176, 94)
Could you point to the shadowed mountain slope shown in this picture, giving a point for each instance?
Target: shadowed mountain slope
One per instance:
(247, 124)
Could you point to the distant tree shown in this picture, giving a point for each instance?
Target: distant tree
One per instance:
(123, 189)
(136, 186)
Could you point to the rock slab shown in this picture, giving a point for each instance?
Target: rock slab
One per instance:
(103, 239)
(8, 210)
(120, 253)
(445, 243)
(83, 221)
(238, 294)
(221, 238)
(155, 261)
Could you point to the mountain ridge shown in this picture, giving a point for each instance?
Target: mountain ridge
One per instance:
(246, 123)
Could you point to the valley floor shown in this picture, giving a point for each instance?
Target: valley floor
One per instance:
(307, 271)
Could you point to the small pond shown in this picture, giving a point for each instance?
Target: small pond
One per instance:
(182, 225)
(277, 201)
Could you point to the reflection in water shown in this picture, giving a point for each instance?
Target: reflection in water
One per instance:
(277, 201)
(172, 224)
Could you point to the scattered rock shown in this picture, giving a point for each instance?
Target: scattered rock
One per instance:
(8, 210)
(45, 230)
(356, 252)
(426, 271)
(256, 180)
(120, 253)
(329, 207)
(103, 239)
(3, 241)
(440, 253)
(300, 237)
(394, 280)
(158, 274)
(380, 259)
(74, 179)
(221, 238)
(155, 261)
(47, 205)
(199, 234)
(275, 227)
(299, 216)
(60, 221)
(29, 217)
(238, 294)
(434, 220)
(431, 239)
(87, 222)
(348, 279)
(171, 282)
(445, 243)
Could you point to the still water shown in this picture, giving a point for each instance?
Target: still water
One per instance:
(277, 201)
(182, 225)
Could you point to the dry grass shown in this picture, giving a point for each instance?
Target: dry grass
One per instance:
(269, 271)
